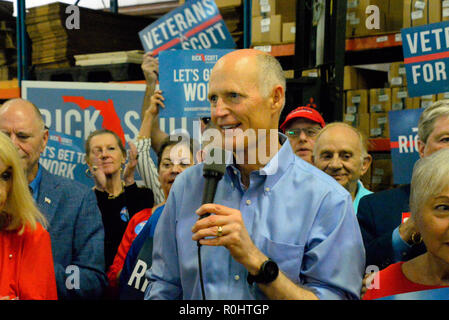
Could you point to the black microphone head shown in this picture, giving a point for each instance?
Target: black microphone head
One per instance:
(215, 162)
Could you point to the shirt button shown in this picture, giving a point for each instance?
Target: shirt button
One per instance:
(236, 277)
(10, 256)
(248, 202)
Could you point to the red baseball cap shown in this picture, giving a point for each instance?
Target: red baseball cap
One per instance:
(304, 112)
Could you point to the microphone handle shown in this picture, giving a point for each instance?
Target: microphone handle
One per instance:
(210, 187)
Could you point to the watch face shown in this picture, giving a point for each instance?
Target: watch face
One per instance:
(270, 271)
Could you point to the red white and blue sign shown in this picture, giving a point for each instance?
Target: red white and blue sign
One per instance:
(426, 58)
(196, 25)
(404, 143)
(185, 81)
(73, 110)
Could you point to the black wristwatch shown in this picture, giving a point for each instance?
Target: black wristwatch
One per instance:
(268, 272)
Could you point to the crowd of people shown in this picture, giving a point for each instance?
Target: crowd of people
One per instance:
(295, 222)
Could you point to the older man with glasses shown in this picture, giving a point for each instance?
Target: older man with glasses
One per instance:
(301, 127)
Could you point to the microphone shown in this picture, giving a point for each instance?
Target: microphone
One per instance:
(213, 170)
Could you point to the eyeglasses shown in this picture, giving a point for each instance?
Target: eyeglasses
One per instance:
(309, 132)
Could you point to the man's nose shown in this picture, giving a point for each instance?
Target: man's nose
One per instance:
(220, 109)
(335, 163)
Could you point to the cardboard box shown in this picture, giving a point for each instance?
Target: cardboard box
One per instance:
(415, 13)
(289, 74)
(379, 125)
(399, 98)
(266, 30)
(358, 78)
(361, 121)
(381, 172)
(413, 103)
(223, 4)
(421, 12)
(263, 8)
(356, 101)
(427, 101)
(355, 18)
(311, 73)
(380, 100)
(445, 10)
(287, 9)
(288, 32)
(397, 76)
(383, 6)
(435, 11)
(443, 96)
(395, 16)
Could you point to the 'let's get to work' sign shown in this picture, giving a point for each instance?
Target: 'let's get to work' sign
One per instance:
(426, 58)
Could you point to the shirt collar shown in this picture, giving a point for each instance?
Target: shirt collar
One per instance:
(34, 185)
(274, 169)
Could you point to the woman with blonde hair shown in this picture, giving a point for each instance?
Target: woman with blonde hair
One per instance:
(26, 261)
(429, 204)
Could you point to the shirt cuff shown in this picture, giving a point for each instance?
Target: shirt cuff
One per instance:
(400, 247)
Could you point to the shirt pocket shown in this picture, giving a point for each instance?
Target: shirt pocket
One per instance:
(287, 256)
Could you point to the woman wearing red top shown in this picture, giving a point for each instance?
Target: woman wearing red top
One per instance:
(26, 261)
(429, 204)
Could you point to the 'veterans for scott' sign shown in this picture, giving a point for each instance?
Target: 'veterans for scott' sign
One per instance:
(426, 58)
(196, 25)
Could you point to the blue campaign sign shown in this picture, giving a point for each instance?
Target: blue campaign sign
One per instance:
(64, 156)
(185, 81)
(426, 58)
(404, 143)
(195, 25)
(77, 109)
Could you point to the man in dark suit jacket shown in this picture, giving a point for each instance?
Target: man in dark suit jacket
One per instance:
(75, 226)
(387, 238)
(379, 216)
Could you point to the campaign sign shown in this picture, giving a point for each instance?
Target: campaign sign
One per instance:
(426, 58)
(185, 81)
(433, 294)
(64, 156)
(78, 108)
(404, 143)
(195, 25)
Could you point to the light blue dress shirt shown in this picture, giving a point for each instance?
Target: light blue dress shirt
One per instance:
(295, 214)
(361, 192)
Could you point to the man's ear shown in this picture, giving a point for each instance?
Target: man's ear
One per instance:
(278, 96)
(44, 140)
(366, 163)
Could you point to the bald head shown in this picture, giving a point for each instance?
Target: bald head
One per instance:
(25, 106)
(23, 123)
(267, 68)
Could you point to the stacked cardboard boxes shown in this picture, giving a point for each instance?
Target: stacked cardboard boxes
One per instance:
(273, 22)
(8, 51)
(373, 17)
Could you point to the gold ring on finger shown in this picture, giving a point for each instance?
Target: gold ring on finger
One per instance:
(220, 231)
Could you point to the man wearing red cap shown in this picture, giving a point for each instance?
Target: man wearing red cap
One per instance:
(301, 127)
